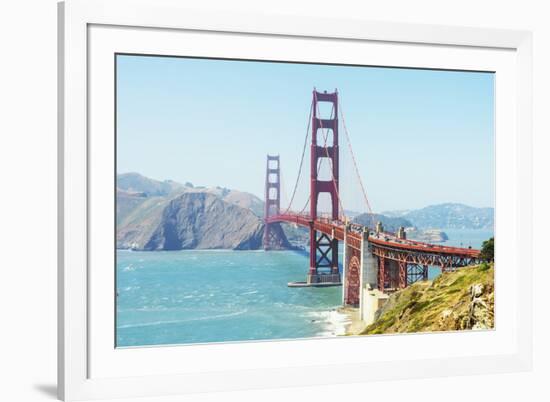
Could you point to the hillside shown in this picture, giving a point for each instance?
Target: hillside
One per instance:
(240, 198)
(194, 220)
(453, 301)
(136, 183)
(127, 202)
(161, 215)
(137, 218)
(132, 185)
(448, 216)
(391, 224)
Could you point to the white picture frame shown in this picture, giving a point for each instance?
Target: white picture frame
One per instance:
(88, 367)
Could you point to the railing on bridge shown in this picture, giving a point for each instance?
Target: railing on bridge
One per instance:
(412, 257)
(383, 239)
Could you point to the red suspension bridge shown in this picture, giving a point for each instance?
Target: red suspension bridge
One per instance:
(372, 257)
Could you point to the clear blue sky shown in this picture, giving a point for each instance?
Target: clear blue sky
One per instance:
(420, 137)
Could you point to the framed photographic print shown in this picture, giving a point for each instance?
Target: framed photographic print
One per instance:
(257, 201)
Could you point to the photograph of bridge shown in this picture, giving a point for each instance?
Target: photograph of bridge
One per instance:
(250, 206)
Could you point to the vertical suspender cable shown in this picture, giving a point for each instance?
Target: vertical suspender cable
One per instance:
(355, 162)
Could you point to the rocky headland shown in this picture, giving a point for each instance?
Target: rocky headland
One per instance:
(154, 215)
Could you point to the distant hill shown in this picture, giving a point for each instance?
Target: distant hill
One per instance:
(390, 224)
(450, 216)
(441, 216)
(397, 213)
(136, 183)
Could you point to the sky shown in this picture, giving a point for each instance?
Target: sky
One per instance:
(420, 137)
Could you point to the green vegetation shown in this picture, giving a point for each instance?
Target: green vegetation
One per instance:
(488, 250)
(453, 301)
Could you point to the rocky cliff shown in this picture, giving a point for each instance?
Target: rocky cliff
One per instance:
(453, 301)
(167, 215)
(192, 220)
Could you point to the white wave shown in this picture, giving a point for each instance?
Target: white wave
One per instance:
(249, 293)
(333, 322)
(169, 322)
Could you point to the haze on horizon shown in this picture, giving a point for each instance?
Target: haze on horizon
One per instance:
(421, 137)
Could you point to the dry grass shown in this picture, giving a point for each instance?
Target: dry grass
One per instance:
(444, 304)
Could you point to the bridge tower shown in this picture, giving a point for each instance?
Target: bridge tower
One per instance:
(323, 256)
(274, 237)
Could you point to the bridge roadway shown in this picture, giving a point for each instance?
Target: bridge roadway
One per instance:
(384, 244)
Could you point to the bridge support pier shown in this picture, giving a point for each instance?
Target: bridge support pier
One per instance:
(323, 259)
(383, 274)
(360, 278)
(360, 269)
(352, 275)
(403, 277)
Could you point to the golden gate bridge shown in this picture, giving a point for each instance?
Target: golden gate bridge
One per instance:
(372, 258)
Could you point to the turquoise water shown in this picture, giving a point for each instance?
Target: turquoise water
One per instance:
(467, 237)
(175, 297)
(178, 297)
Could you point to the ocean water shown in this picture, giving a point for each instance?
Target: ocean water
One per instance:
(177, 297)
(467, 237)
(181, 297)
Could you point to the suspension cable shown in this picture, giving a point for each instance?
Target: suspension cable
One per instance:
(301, 161)
(355, 162)
(283, 197)
(305, 206)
